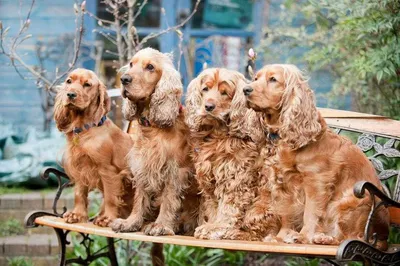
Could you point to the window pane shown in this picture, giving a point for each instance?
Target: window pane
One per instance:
(149, 15)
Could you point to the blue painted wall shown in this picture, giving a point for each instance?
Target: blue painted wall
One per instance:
(19, 99)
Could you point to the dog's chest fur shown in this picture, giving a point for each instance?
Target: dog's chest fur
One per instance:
(159, 157)
(85, 156)
(222, 163)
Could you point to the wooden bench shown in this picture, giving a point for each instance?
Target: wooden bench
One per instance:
(377, 136)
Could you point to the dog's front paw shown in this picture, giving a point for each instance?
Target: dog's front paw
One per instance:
(103, 220)
(272, 239)
(75, 217)
(215, 232)
(121, 225)
(157, 229)
(322, 239)
(294, 237)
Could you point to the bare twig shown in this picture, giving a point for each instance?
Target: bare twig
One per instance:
(18, 39)
(77, 41)
(9, 47)
(169, 29)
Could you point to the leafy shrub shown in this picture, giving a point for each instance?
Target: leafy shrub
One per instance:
(11, 227)
(356, 41)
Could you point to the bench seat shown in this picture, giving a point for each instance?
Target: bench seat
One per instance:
(377, 136)
(288, 249)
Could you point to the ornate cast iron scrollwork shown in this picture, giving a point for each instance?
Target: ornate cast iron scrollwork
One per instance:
(351, 249)
(45, 174)
(359, 192)
(62, 234)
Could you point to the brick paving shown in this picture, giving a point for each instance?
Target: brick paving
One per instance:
(38, 245)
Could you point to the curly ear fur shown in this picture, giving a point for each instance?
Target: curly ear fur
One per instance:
(129, 109)
(104, 102)
(165, 101)
(244, 122)
(299, 116)
(62, 115)
(193, 103)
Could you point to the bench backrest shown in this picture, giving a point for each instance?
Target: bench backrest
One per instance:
(379, 138)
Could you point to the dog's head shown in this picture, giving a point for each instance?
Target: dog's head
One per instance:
(282, 94)
(82, 95)
(151, 80)
(216, 98)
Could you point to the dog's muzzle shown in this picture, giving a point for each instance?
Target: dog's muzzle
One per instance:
(247, 90)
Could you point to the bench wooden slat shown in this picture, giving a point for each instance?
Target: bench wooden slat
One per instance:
(290, 249)
(334, 113)
(375, 124)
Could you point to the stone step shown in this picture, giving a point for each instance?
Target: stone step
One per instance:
(34, 201)
(29, 245)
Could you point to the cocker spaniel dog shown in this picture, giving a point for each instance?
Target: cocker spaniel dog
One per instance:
(226, 140)
(314, 170)
(96, 148)
(166, 200)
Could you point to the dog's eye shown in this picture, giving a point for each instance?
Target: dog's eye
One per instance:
(150, 67)
(272, 79)
(86, 84)
(205, 89)
(130, 64)
(69, 81)
(255, 79)
(224, 93)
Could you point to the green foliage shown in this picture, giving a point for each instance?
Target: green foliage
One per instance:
(19, 261)
(183, 255)
(11, 227)
(357, 41)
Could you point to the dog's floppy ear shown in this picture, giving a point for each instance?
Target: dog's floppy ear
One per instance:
(165, 101)
(244, 122)
(299, 115)
(104, 102)
(193, 103)
(129, 109)
(62, 115)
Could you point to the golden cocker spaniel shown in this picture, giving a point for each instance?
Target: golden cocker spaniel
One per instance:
(314, 170)
(96, 148)
(226, 140)
(166, 200)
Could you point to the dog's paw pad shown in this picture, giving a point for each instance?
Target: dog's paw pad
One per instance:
(103, 221)
(322, 239)
(157, 229)
(121, 225)
(74, 217)
(271, 239)
(294, 238)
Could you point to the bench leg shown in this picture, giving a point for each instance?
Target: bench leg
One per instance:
(111, 251)
(62, 243)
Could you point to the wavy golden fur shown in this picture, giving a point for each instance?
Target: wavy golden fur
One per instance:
(314, 170)
(166, 193)
(226, 138)
(95, 157)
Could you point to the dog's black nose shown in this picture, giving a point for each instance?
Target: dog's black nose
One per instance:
(126, 79)
(247, 90)
(209, 107)
(71, 95)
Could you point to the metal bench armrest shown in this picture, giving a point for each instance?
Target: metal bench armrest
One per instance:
(45, 174)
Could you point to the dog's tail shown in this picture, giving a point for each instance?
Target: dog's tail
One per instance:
(157, 256)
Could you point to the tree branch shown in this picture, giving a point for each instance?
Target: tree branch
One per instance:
(169, 29)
